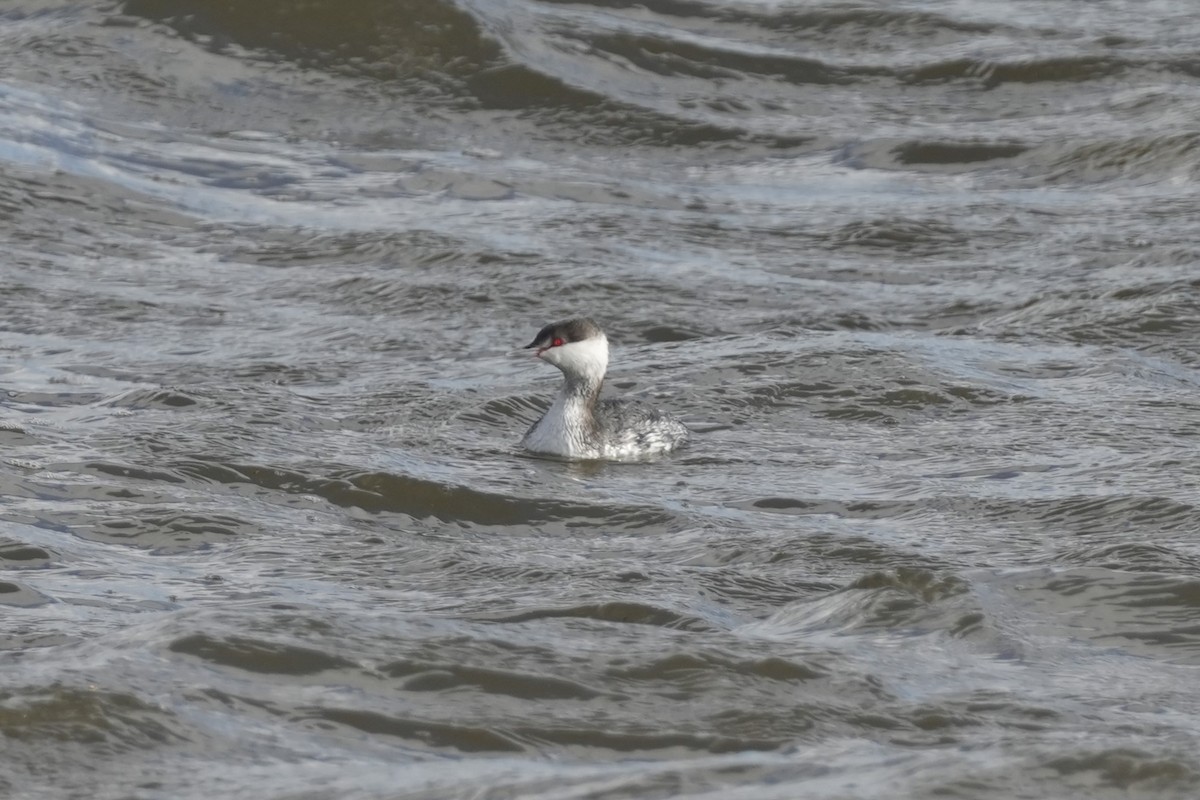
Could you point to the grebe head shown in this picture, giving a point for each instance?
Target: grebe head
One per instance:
(576, 346)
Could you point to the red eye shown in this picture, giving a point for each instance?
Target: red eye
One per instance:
(557, 342)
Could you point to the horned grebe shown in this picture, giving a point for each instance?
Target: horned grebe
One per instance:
(579, 424)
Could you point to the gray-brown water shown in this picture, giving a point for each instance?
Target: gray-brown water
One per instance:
(922, 276)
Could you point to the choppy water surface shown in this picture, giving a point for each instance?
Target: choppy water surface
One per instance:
(923, 277)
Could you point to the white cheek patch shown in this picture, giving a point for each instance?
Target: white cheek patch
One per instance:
(589, 356)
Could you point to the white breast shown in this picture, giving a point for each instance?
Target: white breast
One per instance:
(558, 434)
